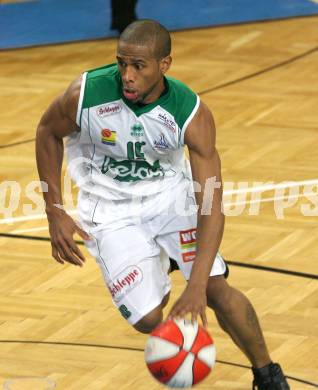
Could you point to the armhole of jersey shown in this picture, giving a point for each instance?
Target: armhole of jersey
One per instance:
(184, 127)
(80, 101)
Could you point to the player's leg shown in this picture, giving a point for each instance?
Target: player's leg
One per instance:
(234, 312)
(134, 273)
(151, 320)
(239, 319)
(226, 329)
(174, 267)
(178, 239)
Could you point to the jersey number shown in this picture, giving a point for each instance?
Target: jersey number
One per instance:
(134, 150)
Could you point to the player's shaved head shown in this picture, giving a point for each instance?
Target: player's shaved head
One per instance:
(149, 33)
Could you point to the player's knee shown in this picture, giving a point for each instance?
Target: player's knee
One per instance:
(219, 294)
(150, 321)
(221, 323)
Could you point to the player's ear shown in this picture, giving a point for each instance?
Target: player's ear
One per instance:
(165, 64)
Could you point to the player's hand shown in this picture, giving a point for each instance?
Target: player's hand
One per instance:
(193, 300)
(62, 228)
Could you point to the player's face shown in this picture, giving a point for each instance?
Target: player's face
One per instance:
(141, 73)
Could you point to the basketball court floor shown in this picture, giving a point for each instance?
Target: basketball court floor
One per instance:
(58, 327)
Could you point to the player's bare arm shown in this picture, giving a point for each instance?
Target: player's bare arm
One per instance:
(58, 121)
(205, 165)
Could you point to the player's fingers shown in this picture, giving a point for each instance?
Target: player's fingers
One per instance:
(66, 254)
(180, 313)
(55, 255)
(194, 316)
(70, 255)
(172, 315)
(61, 253)
(204, 319)
(82, 233)
(76, 250)
(177, 308)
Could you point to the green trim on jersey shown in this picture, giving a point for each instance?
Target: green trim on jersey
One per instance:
(181, 102)
(104, 85)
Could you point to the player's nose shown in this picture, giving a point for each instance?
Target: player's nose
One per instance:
(129, 75)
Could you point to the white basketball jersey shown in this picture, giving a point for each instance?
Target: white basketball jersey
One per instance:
(124, 149)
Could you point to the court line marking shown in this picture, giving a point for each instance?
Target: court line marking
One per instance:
(247, 190)
(231, 262)
(71, 344)
(271, 269)
(260, 72)
(17, 143)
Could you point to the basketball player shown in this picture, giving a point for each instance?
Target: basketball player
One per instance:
(126, 125)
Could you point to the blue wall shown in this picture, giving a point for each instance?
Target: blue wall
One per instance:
(53, 21)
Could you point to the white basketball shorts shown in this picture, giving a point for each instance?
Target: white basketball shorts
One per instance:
(133, 240)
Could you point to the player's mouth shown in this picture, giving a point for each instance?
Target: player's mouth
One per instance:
(130, 94)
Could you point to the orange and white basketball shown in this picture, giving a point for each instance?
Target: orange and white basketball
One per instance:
(179, 353)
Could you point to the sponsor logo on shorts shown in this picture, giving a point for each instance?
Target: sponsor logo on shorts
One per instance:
(126, 281)
(124, 311)
(108, 109)
(188, 244)
(161, 143)
(167, 121)
(108, 137)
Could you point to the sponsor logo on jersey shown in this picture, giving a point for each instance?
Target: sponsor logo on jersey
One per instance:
(161, 143)
(108, 109)
(137, 130)
(167, 122)
(130, 171)
(124, 282)
(109, 137)
(188, 244)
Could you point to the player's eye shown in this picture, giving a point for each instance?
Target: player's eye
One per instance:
(121, 63)
(139, 66)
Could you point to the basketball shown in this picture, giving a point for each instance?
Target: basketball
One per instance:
(179, 353)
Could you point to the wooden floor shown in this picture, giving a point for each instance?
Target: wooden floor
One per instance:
(267, 134)
(14, 1)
